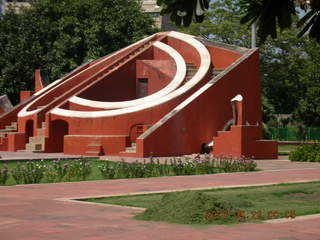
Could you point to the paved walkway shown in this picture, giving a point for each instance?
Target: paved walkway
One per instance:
(17, 156)
(38, 211)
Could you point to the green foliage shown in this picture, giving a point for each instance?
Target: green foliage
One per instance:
(308, 109)
(83, 169)
(268, 14)
(4, 174)
(35, 172)
(249, 203)
(61, 35)
(187, 207)
(28, 173)
(306, 153)
(177, 167)
(289, 66)
(222, 24)
(182, 12)
(17, 174)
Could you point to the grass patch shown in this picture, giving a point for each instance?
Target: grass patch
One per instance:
(188, 207)
(284, 150)
(245, 204)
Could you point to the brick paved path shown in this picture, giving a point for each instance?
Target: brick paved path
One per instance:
(33, 211)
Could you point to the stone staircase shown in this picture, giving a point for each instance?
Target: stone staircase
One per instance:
(95, 148)
(37, 143)
(191, 71)
(131, 149)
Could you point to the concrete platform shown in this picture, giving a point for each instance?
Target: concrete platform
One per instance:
(41, 211)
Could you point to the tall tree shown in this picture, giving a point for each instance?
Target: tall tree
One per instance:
(182, 12)
(268, 14)
(284, 60)
(59, 35)
(308, 109)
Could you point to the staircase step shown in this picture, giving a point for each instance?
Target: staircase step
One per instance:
(41, 132)
(37, 140)
(34, 147)
(93, 153)
(130, 150)
(95, 145)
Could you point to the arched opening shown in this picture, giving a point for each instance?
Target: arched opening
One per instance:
(58, 129)
(29, 130)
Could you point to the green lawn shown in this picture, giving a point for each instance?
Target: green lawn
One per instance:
(253, 203)
(286, 149)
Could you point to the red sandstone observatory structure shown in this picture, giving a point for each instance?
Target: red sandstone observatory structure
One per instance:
(169, 94)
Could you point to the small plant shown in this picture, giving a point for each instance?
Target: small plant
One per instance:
(32, 172)
(71, 170)
(60, 169)
(107, 171)
(4, 174)
(84, 169)
(17, 173)
(50, 173)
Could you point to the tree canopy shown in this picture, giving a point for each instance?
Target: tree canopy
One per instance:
(269, 15)
(183, 11)
(290, 66)
(59, 35)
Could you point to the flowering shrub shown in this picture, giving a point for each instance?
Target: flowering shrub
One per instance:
(17, 173)
(107, 171)
(83, 169)
(34, 172)
(57, 171)
(4, 175)
(30, 172)
(177, 167)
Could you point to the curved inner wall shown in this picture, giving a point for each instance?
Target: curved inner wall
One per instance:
(155, 67)
(118, 86)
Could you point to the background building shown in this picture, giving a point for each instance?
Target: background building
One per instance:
(162, 22)
(5, 5)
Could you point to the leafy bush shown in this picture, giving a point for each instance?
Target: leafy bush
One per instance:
(306, 153)
(188, 207)
(17, 173)
(75, 170)
(57, 171)
(107, 170)
(34, 172)
(177, 167)
(4, 174)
